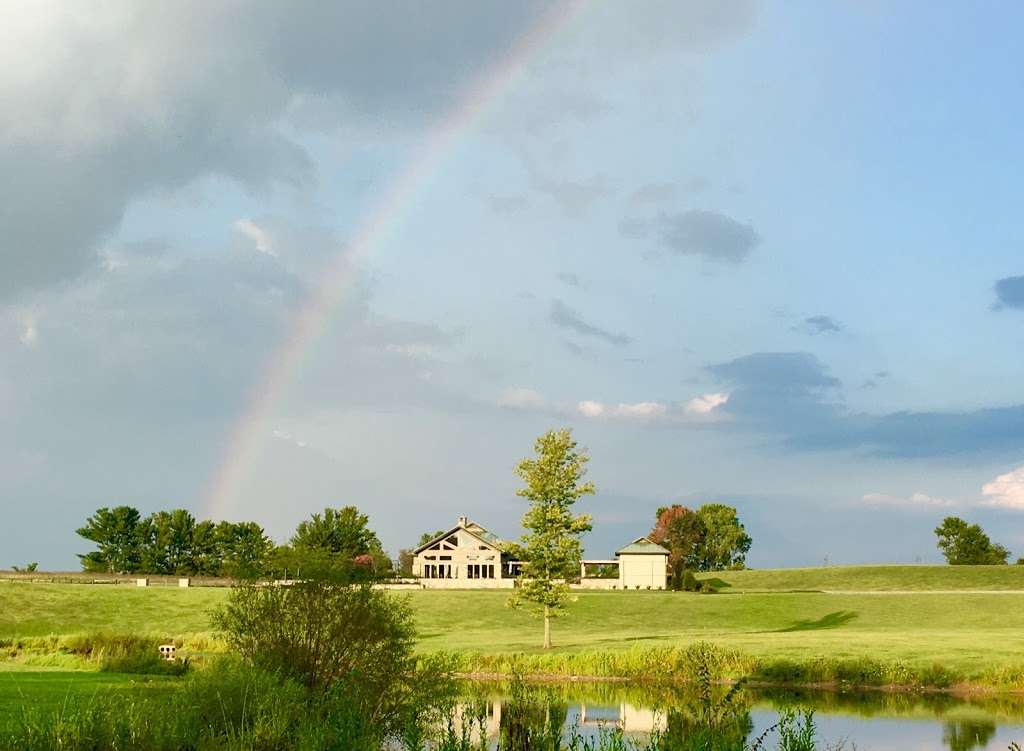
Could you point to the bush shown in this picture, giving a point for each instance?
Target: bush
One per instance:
(349, 644)
(320, 632)
(144, 663)
(690, 583)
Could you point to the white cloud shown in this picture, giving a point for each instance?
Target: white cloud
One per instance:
(707, 403)
(260, 237)
(915, 500)
(637, 411)
(698, 410)
(1006, 491)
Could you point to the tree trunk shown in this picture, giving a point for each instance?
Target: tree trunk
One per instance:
(547, 627)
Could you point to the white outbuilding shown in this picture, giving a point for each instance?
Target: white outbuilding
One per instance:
(643, 564)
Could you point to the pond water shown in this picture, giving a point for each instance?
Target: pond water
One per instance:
(867, 721)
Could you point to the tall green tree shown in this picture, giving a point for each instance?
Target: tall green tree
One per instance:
(245, 550)
(204, 557)
(338, 538)
(726, 541)
(966, 544)
(167, 539)
(116, 534)
(682, 531)
(551, 549)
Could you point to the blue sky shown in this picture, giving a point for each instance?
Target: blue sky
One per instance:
(759, 253)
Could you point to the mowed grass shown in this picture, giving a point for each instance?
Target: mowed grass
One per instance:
(48, 691)
(64, 609)
(966, 631)
(872, 579)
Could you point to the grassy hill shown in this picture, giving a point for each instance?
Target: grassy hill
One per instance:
(905, 613)
(872, 579)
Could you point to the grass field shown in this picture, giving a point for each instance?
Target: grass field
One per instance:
(879, 613)
(872, 579)
(47, 691)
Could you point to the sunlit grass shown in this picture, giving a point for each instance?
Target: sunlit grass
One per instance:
(966, 633)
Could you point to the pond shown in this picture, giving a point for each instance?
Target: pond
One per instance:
(525, 716)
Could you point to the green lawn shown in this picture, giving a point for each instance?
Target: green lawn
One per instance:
(965, 631)
(47, 691)
(872, 579)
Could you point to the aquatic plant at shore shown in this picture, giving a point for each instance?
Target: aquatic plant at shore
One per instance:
(677, 664)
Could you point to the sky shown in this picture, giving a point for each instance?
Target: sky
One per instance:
(260, 258)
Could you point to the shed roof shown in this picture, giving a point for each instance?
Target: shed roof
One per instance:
(642, 546)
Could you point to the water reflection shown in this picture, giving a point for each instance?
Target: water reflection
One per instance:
(550, 717)
(967, 735)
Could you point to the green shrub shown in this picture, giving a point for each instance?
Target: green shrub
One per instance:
(144, 663)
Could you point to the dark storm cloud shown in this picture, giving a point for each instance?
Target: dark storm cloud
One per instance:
(564, 317)
(102, 105)
(1009, 293)
(707, 233)
(792, 395)
(84, 137)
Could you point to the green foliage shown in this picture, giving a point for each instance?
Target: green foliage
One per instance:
(682, 531)
(726, 542)
(173, 543)
(243, 548)
(232, 705)
(28, 568)
(708, 539)
(551, 548)
(321, 632)
(337, 538)
(967, 544)
(428, 536)
(167, 539)
(117, 537)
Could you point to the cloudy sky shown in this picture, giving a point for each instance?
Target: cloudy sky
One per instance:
(259, 258)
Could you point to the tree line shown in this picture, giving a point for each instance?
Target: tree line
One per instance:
(965, 544)
(175, 543)
(708, 539)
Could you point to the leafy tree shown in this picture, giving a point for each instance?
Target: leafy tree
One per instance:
(204, 552)
(351, 645)
(318, 632)
(551, 547)
(428, 536)
(726, 542)
(28, 568)
(966, 544)
(405, 559)
(682, 531)
(167, 538)
(116, 534)
(245, 550)
(337, 538)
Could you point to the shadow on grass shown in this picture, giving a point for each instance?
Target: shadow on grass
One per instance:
(837, 619)
(716, 584)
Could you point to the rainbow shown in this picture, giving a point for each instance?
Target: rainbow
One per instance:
(249, 433)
